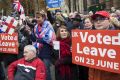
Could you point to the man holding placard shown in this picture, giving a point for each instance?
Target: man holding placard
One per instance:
(101, 21)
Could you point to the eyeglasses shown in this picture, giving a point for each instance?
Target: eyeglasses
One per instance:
(100, 19)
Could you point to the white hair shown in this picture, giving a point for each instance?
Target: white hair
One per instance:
(31, 48)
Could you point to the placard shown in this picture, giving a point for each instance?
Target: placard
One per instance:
(53, 4)
(98, 49)
(9, 43)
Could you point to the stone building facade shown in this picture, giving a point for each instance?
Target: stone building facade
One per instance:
(82, 6)
(108, 3)
(30, 6)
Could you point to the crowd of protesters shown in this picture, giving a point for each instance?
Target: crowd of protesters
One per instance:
(45, 28)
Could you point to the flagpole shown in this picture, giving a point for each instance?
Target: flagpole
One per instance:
(59, 53)
(2, 12)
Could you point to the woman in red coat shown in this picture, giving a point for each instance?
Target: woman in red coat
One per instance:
(63, 64)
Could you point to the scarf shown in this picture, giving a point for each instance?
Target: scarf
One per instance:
(65, 47)
(45, 33)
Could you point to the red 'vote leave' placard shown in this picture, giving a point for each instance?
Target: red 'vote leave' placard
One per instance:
(98, 49)
(9, 43)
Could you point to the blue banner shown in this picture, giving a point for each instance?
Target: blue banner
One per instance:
(53, 3)
(61, 2)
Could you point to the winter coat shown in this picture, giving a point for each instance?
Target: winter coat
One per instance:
(43, 38)
(24, 40)
(63, 64)
(27, 70)
(95, 74)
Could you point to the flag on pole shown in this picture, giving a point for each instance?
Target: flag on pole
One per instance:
(9, 25)
(19, 8)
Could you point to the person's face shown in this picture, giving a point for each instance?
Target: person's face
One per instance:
(39, 19)
(87, 24)
(63, 33)
(76, 23)
(90, 13)
(101, 23)
(28, 55)
(58, 14)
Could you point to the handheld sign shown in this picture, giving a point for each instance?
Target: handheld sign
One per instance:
(56, 45)
(98, 49)
(53, 4)
(9, 43)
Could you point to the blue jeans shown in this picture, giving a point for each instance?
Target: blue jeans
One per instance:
(48, 64)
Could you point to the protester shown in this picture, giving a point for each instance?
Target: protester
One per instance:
(70, 21)
(114, 20)
(118, 14)
(83, 71)
(77, 22)
(63, 64)
(28, 68)
(57, 24)
(51, 17)
(42, 37)
(88, 24)
(23, 38)
(59, 16)
(101, 21)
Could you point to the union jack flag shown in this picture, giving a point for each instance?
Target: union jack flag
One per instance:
(45, 34)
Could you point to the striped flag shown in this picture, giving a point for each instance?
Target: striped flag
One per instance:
(46, 33)
(19, 8)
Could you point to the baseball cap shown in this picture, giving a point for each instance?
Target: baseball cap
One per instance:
(101, 13)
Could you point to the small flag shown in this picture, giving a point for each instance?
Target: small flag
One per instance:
(19, 8)
(9, 25)
(56, 45)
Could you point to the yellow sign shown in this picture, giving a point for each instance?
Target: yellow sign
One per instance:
(50, 9)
